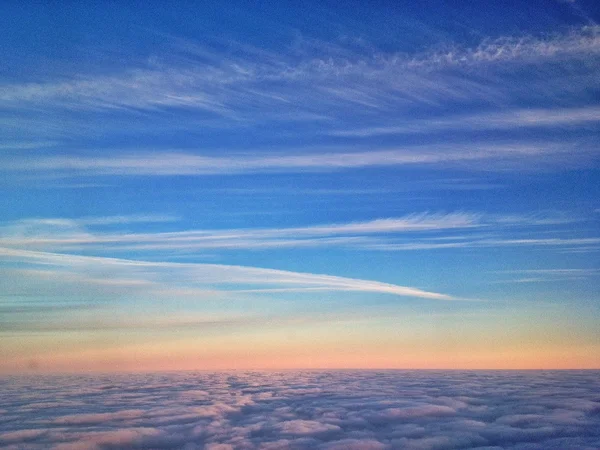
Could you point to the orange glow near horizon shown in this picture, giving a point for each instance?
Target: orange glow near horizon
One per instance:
(418, 341)
(245, 353)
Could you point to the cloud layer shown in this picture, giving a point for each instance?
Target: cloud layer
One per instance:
(304, 410)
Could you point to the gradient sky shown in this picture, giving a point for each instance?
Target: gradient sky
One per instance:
(285, 185)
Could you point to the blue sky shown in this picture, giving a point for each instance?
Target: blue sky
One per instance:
(323, 166)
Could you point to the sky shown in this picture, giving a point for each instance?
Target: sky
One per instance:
(279, 185)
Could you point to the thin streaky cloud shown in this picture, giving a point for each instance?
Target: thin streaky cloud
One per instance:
(471, 155)
(73, 234)
(125, 219)
(225, 85)
(558, 272)
(485, 243)
(583, 41)
(549, 275)
(216, 274)
(73, 231)
(519, 118)
(544, 279)
(24, 145)
(416, 185)
(542, 242)
(226, 243)
(58, 222)
(535, 280)
(591, 249)
(411, 222)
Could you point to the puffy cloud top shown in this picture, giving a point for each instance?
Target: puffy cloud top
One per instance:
(304, 410)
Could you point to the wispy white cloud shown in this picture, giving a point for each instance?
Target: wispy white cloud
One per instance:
(472, 155)
(25, 145)
(125, 219)
(57, 223)
(522, 280)
(583, 41)
(540, 242)
(61, 229)
(74, 234)
(487, 243)
(516, 118)
(547, 275)
(429, 184)
(215, 276)
(553, 272)
(232, 86)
